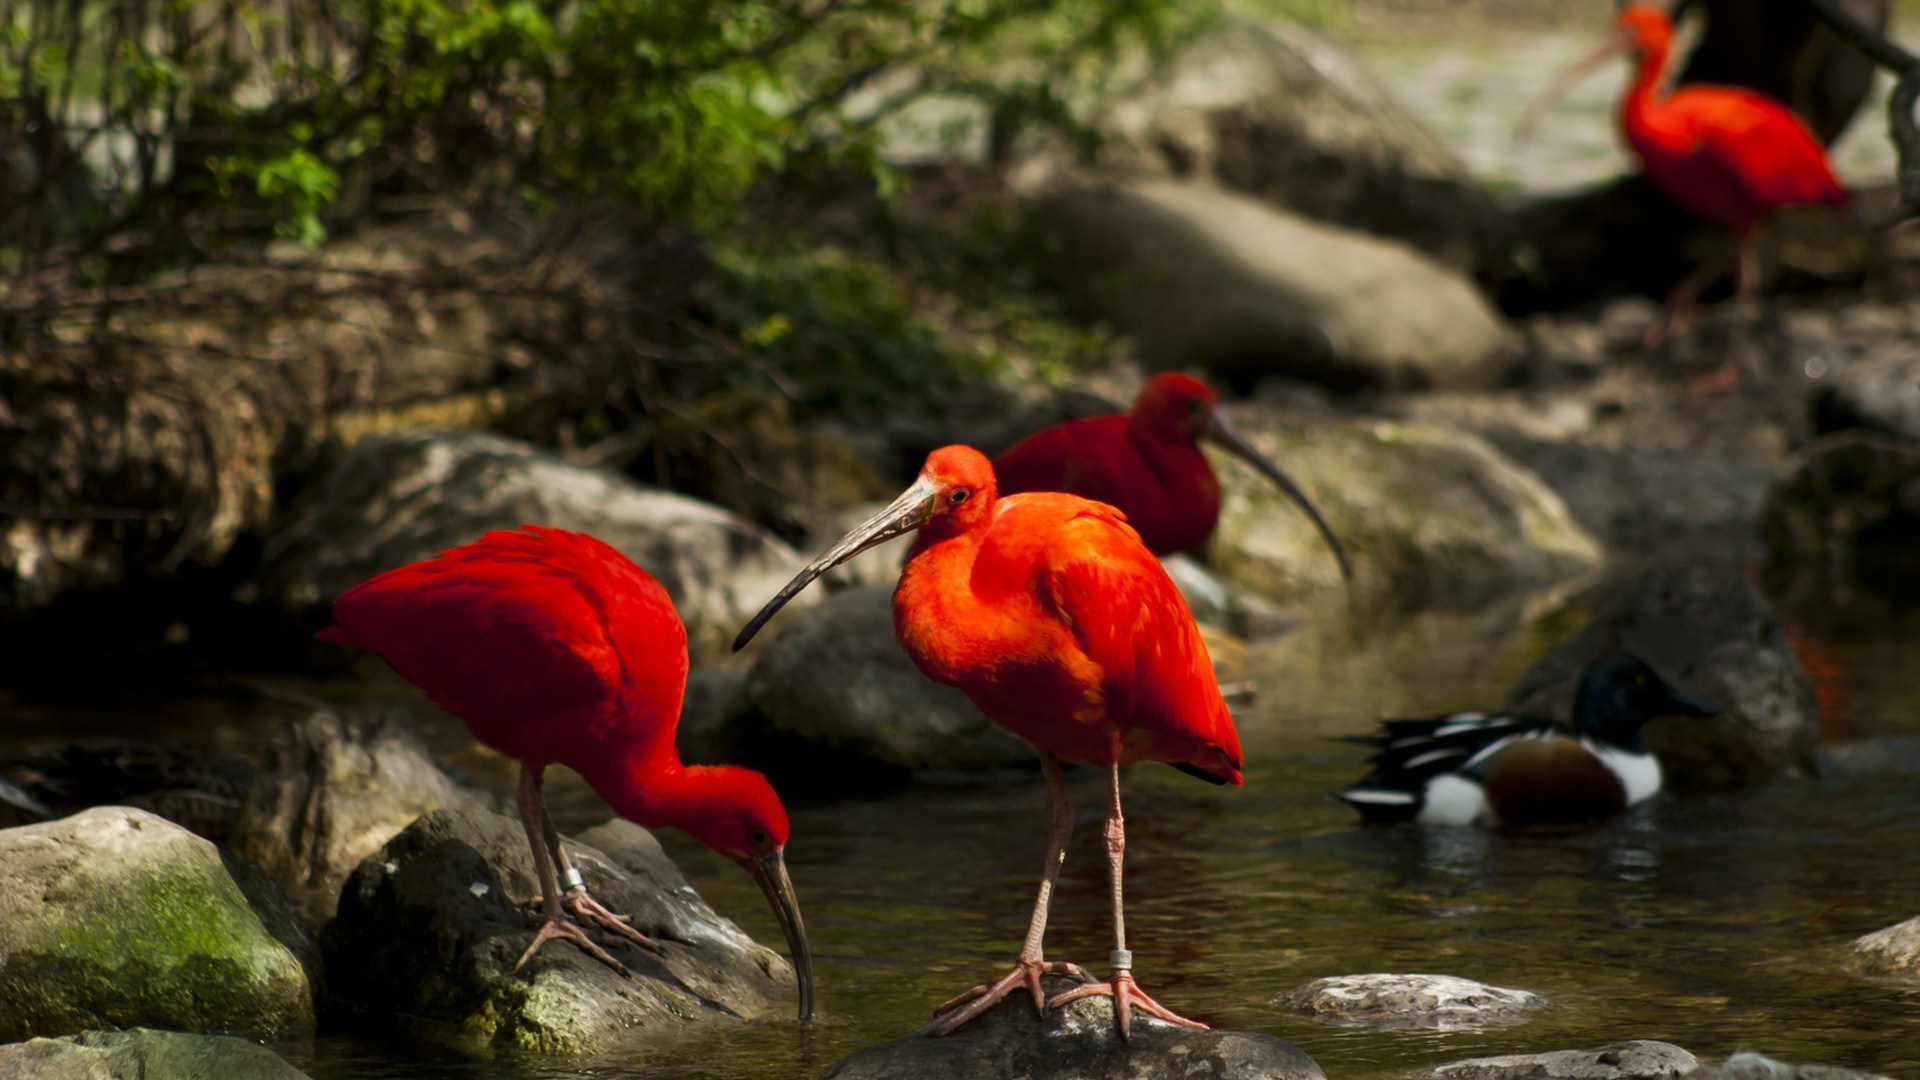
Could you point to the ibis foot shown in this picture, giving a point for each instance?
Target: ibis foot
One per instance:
(1127, 996)
(985, 996)
(560, 927)
(586, 907)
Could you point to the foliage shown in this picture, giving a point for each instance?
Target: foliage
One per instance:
(207, 117)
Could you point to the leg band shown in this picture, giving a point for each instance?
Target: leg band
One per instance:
(572, 880)
(1120, 959)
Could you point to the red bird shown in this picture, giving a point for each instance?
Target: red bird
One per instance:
(555, 649)
(1053, 617)
(1148, 464)
(1727, 153)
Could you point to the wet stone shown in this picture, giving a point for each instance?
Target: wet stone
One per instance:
(1409, 1001)
(142, 1053)
(1639, 1059)
(1892, 951)
(1079, 1041)
(1751, 1066)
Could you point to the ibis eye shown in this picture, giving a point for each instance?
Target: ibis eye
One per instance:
(1195, 407)
(958, 496)
(757, 836)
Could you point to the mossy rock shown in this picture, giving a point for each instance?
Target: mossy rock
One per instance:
(118, 918)
(145, 1054)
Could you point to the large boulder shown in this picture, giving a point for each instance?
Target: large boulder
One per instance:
(335, 788)
(833, 694)
(1210, 278)
(431, 926)
(1644, 501)
(392, 499)
(142, 1054)
(1639, 1059)
(1078, 1041)
(115, 917)
(1428, 516)
(1877, 387)
(1387, 1000)
(1892, 951)
(1281, 113)
(1708, 630)
(1847, 509)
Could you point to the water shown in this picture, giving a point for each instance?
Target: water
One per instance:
(1717, 923)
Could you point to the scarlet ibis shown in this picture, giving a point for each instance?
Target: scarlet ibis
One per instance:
(1051, 615)
(554, 648)
(1505, 769)
(1148, 464)
(1727, 153)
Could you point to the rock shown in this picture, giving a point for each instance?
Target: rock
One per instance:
(430, 927)
(333, 790)
(1847, 510)
(1280, 113)
(115, 917)
(1748, 1065)
(1079, 1041)
(1209, 278)
(1639, 1059)
(1707, 630)
(1892, 951)
(142, 1054)
(1644, 501)
(196, 787)
(1429, 517)
(712, 696)
(833, 694)
(1879, 391)
(392, 499)
(1446, 1002)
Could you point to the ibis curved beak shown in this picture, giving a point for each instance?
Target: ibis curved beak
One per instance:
(771, 875)
(1617, 42)
(908, 512)
(1225, 436)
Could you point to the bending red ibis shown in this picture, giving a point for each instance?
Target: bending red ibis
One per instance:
(1053, 617)
(1149, 465)
(553, 648)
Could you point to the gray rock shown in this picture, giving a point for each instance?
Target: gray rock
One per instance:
(142, 1054)
(1748, 1065)
(1283, 114)
(1078, 1041)
(1847, 507)
(835, 681)
(115, 917)
(1445, 1002)
(1639, 1059)
(1892, 951)
(1707, 630)
(430, 927)
(712, 697)
(1879, 391)
(333, 789)
(1206, 277)
(1429, 516)
(1642, 501)
(395, 498)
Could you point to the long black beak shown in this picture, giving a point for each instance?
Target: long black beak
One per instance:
(905, 514)
(772, 877)
(1223, 435)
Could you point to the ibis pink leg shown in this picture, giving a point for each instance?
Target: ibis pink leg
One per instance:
(533, 811)
(1126, 994)
(1030, 966)
(1739, 340)
(577, 899)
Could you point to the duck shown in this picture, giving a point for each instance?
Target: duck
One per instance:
(1510, 770)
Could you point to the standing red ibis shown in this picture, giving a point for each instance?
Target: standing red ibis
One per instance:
(1727, 153)
(1148, 464)
(553, 648)
(1053, 617)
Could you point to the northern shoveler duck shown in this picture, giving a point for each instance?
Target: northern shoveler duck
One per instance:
(1506, 769)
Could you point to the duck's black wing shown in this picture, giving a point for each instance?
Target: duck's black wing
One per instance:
(1409, 753)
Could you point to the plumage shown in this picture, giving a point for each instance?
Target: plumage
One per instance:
(1052, 616)
(1510, 769)
(1148, 464)
(554, 648)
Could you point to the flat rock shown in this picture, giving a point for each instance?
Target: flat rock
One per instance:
(833, 685)
(142, 1054)
(334, 788)
(1429, 516)
(115, 917)
(1286, 115)
(1748, 1065)
(1639, 1059)
(1078, 1041)
(395, 498)
(1444, 1002)
(1707, 630)
(430, 927)
(1210, 278)
(1892, 951)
